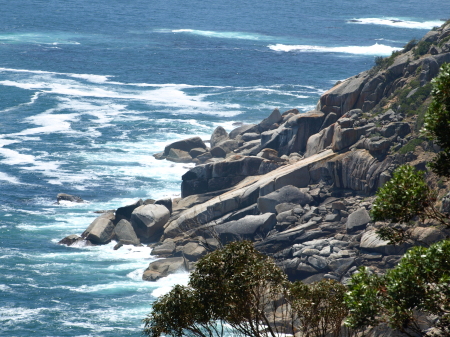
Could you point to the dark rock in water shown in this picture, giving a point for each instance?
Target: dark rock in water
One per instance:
(159, 155)
(286, 194)
(247, 228)
(162, 268)
(125, 233)
(167, 202)
(219, 135)
(125, 212)
(67, 197)
(148, 221)
(185, 145)
(70, 240)
(101, 230)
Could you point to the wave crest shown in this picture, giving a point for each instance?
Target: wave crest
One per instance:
(395, 22)
(376, 49)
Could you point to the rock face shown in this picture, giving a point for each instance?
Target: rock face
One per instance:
(148, 221)
(101, 230)
(125, 234)
(286, 194)
(247, 228)
(300, 185)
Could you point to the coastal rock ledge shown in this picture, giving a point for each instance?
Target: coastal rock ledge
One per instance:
(300, 185)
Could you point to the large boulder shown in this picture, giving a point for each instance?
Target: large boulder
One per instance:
(185, 145)
(358, 220)
(267, 123)
(371, 242)
(125, 211)
(248, 228)
(241, 130)
(286, 194)
(148, 221)
(162, 268)
(125, 234)
(101, 230)
(219, 135)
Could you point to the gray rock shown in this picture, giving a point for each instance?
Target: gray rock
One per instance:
(247, 228)
(101, 230)
(241, 130)
(167, 202)
(193, 251)
(148, 221)
(287, 206)
(248, 137)
(274, 117)
(165, 249)
(309, 252)
(218, 135)
(179, 156)
(372, 243)
(162, 268)
(185, 145)
(338, 205)
(318, 262)
(198, 151)
(340, 266)
(125, 212)
(68, 197)
(124, 233)
(357, 220)
(286, 194)
(218, 152)
(332, 217)
(70, 240)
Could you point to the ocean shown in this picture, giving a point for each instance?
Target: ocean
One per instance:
(89, 90)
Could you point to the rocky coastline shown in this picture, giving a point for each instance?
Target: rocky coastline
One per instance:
(299, 185)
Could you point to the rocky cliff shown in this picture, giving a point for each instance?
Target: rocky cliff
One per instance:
(300, 185)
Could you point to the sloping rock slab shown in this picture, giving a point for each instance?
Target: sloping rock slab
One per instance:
(247, 228)
(148, 221)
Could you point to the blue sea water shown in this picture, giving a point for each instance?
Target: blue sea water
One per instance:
(89, 90)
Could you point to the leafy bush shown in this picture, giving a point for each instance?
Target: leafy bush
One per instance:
(419, 284)
(422, 48)
(319, 307)
(238, 291)
(437, 121)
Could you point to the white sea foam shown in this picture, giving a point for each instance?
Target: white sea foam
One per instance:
(5, 288)
(9, 179)
(38, 38)
(166, 284)
(376, 49)
(396, 22)
(220, 35)
(14, 315)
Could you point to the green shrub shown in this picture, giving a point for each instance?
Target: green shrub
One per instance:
(422, 48)
(419, 283)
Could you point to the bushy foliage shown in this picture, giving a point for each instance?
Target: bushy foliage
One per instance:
(319, 307)
(235, 289)
(403, 197)
(238, 291)
(419, 284)
(437, 121)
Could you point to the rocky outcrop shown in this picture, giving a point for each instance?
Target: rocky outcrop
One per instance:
(101, 230)
(67, 197)
(148, 221)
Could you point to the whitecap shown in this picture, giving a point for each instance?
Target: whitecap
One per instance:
(9, 179)
(166, 284)
(396, 22)
(376, 49)
(220, 35)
